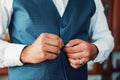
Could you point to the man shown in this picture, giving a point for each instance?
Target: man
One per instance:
(53, 39)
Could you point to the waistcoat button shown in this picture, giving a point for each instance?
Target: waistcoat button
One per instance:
(63, 24)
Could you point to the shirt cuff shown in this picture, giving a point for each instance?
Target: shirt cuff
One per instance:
(12, 55)
(100, 57)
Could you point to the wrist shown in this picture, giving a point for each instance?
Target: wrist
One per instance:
(94, 51)
(23, 56)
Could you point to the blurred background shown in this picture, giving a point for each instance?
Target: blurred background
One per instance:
(110, 69)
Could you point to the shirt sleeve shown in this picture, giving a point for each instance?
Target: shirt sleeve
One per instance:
(9, 52)
(100, 33)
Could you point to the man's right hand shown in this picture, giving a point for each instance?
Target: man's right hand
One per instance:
(45, 47)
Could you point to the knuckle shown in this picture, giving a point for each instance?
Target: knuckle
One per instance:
(58, 51)
(76, 63)
(61, 41)
(53, 56)
(87, 54)
(71, 56)
(70, 50)
(42, 40)
(75, 56)
(55, 49)
(71, 64)
(43, 54)
(68, 55)
(84, 45)
(70, 60)
(57, 42)
(43, 34)
(77, 39)
(42, 47)
(57, 37)
(75, 67)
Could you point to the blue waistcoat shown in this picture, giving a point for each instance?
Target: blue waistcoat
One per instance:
(33, 17)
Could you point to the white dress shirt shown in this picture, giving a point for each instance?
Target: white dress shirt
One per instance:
(101, 36)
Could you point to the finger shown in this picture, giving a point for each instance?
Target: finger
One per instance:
(53, 42)
(51, 49)
(56, 42)
(85, 60)
(77, 55)
(74, 49)
(53, 36)
(77, 48)
(61, 43)
(50, 56)
(74, 61)
(73, 42)
(75, 66)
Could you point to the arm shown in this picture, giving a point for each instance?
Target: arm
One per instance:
(101, 45)
(46, 46)
(101, 35)
(9, 53)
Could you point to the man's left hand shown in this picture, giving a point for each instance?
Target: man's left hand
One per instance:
(79, 52)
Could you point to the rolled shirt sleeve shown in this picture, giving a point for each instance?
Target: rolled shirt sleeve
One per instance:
(9, 52)
(100, 33)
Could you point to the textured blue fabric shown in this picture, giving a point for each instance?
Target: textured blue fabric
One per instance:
(33, 17)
